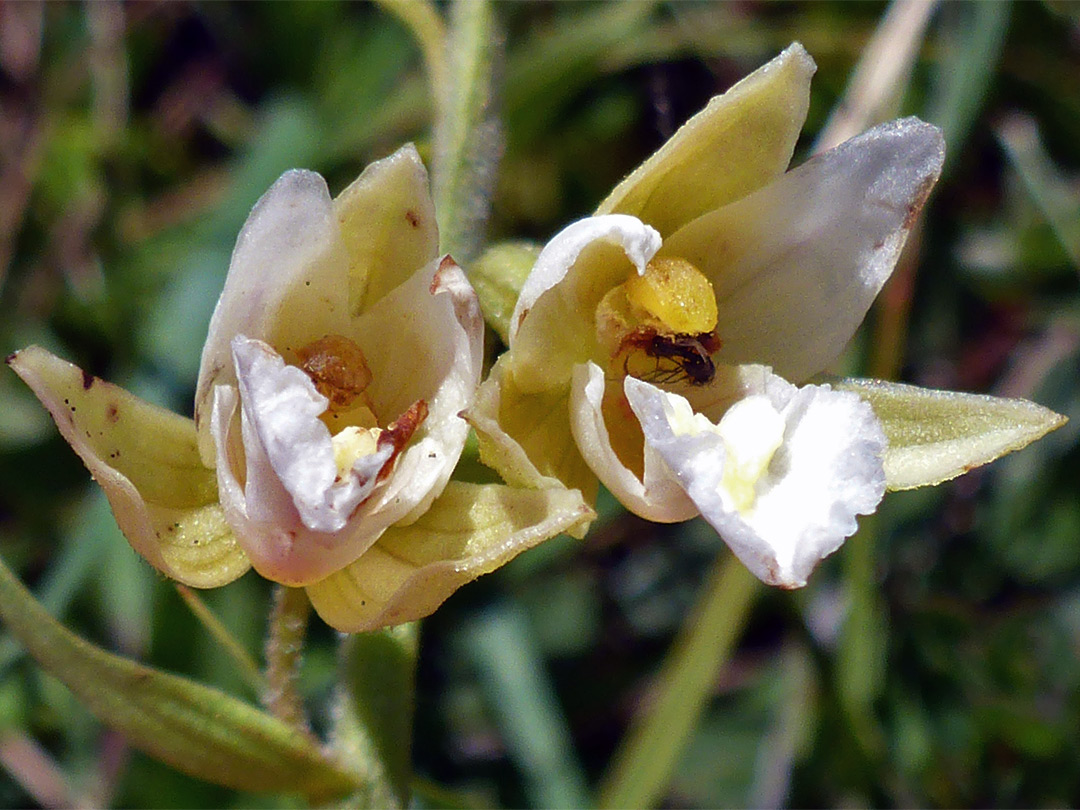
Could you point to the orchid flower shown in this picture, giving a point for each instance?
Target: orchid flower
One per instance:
(339, 357)
(657, 347)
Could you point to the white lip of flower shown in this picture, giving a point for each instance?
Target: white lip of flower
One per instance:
(783, 474)
(280, 410)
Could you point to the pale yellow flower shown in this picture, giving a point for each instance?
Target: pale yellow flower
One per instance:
(652, 345)
(327, 426)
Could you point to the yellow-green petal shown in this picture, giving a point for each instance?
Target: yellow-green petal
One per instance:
(147, 461)
(526, 437)
(738, 143)
(470, 530)
(937, 435)
(387, 222)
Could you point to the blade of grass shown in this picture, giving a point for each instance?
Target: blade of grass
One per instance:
(642, 767)
(245, 663)
(424, 23)
(1054, 197)
(883, 73)
(35, 771)
(973, 40)
(519, 692)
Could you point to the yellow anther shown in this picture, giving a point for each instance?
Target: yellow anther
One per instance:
(676, 294)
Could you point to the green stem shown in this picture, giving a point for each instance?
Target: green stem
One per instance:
(423, 21)
(284, 651)
(643, 766)
(468, 142)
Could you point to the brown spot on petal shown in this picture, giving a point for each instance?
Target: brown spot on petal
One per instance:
(11, 358)
(112, 413)
(918, 201)
(397, 435)
(87, 380)
(338, 368)
(412, 218)
(437, 280)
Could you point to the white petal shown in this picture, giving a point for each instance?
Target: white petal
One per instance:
(280, 409)
(290, 231)
(553, 326)
(796, 265)
(426, 340)
(638, 241)
(657, 495)
(827, 470)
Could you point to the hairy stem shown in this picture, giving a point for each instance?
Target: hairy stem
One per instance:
(284, 651)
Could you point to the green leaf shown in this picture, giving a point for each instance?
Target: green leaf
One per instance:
(374, 723)
(195, 729)
(937, 435)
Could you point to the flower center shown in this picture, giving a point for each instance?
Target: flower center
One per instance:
(752, 431)
(661, 326)
(338, 368)
(352, 443)
(675, 295)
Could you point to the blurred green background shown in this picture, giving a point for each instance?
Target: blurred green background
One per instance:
(933, 661)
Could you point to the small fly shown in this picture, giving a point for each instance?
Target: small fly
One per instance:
(679, 356)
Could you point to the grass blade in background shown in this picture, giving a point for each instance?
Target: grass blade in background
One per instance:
(500, 645)
(643, 765)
